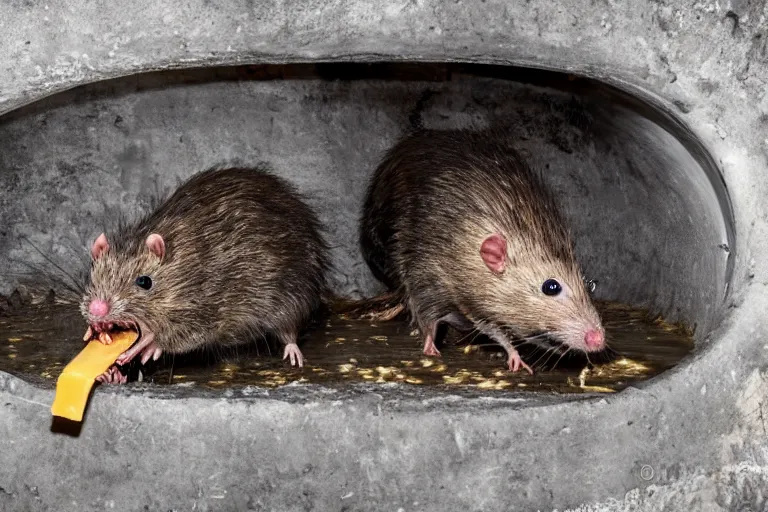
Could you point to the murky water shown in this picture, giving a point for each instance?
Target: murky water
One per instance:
(38, 341)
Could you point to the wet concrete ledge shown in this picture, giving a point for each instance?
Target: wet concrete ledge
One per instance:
(699, 428)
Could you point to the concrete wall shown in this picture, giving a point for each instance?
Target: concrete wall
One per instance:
(690, 439)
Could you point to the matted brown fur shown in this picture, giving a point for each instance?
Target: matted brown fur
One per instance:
(244, 257)
(434, 199)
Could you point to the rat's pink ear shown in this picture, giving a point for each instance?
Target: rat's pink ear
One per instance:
(156, 245)
(494, 253)
(99, 247)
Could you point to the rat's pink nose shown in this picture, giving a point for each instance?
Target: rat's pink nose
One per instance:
(594, 338)
(98, 307)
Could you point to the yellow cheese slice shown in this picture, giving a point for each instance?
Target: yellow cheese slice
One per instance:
(76, 380)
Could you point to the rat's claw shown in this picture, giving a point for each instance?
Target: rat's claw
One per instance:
(157, 354)
(292, 351)
(515, 362)
(105, 338)
(88, 334)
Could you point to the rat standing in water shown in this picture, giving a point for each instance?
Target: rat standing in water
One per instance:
(458, 223)
(233, 254)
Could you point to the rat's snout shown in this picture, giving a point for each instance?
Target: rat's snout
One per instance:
(594, 339)
(98, 308)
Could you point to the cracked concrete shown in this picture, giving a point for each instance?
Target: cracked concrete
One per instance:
(698, 428)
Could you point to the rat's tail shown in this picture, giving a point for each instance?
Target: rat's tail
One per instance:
(383, 308)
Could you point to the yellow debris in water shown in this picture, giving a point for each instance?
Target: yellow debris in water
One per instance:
(385, 370)
(630, 364)
(461, 377)
(346, 368)
(583, 376)
(378, 338)
(621, 367)
(14, 340)
(494, 384)
(598, 389)
(76, 380)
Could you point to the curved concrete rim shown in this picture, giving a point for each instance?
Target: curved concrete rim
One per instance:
(380, 450)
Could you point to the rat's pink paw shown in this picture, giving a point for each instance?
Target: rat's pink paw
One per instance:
(292, 351)
(151, 351)
(515, 362)
(146, 346)
(430, 349)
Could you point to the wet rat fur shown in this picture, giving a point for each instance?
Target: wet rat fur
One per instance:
(241, 256)
(458, 224)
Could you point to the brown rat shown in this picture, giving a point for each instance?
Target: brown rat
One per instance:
(460, 225)
(231, 255)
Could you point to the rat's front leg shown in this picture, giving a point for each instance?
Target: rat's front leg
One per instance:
(514, 361)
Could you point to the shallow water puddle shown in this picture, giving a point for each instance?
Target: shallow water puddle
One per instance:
(38, 341)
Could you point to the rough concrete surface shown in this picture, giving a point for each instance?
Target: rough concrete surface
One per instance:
(692, 439)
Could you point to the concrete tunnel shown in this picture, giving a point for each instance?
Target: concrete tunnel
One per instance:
(651, 120)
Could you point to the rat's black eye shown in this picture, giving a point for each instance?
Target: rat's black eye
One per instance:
(144, 282)
(551, 287)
